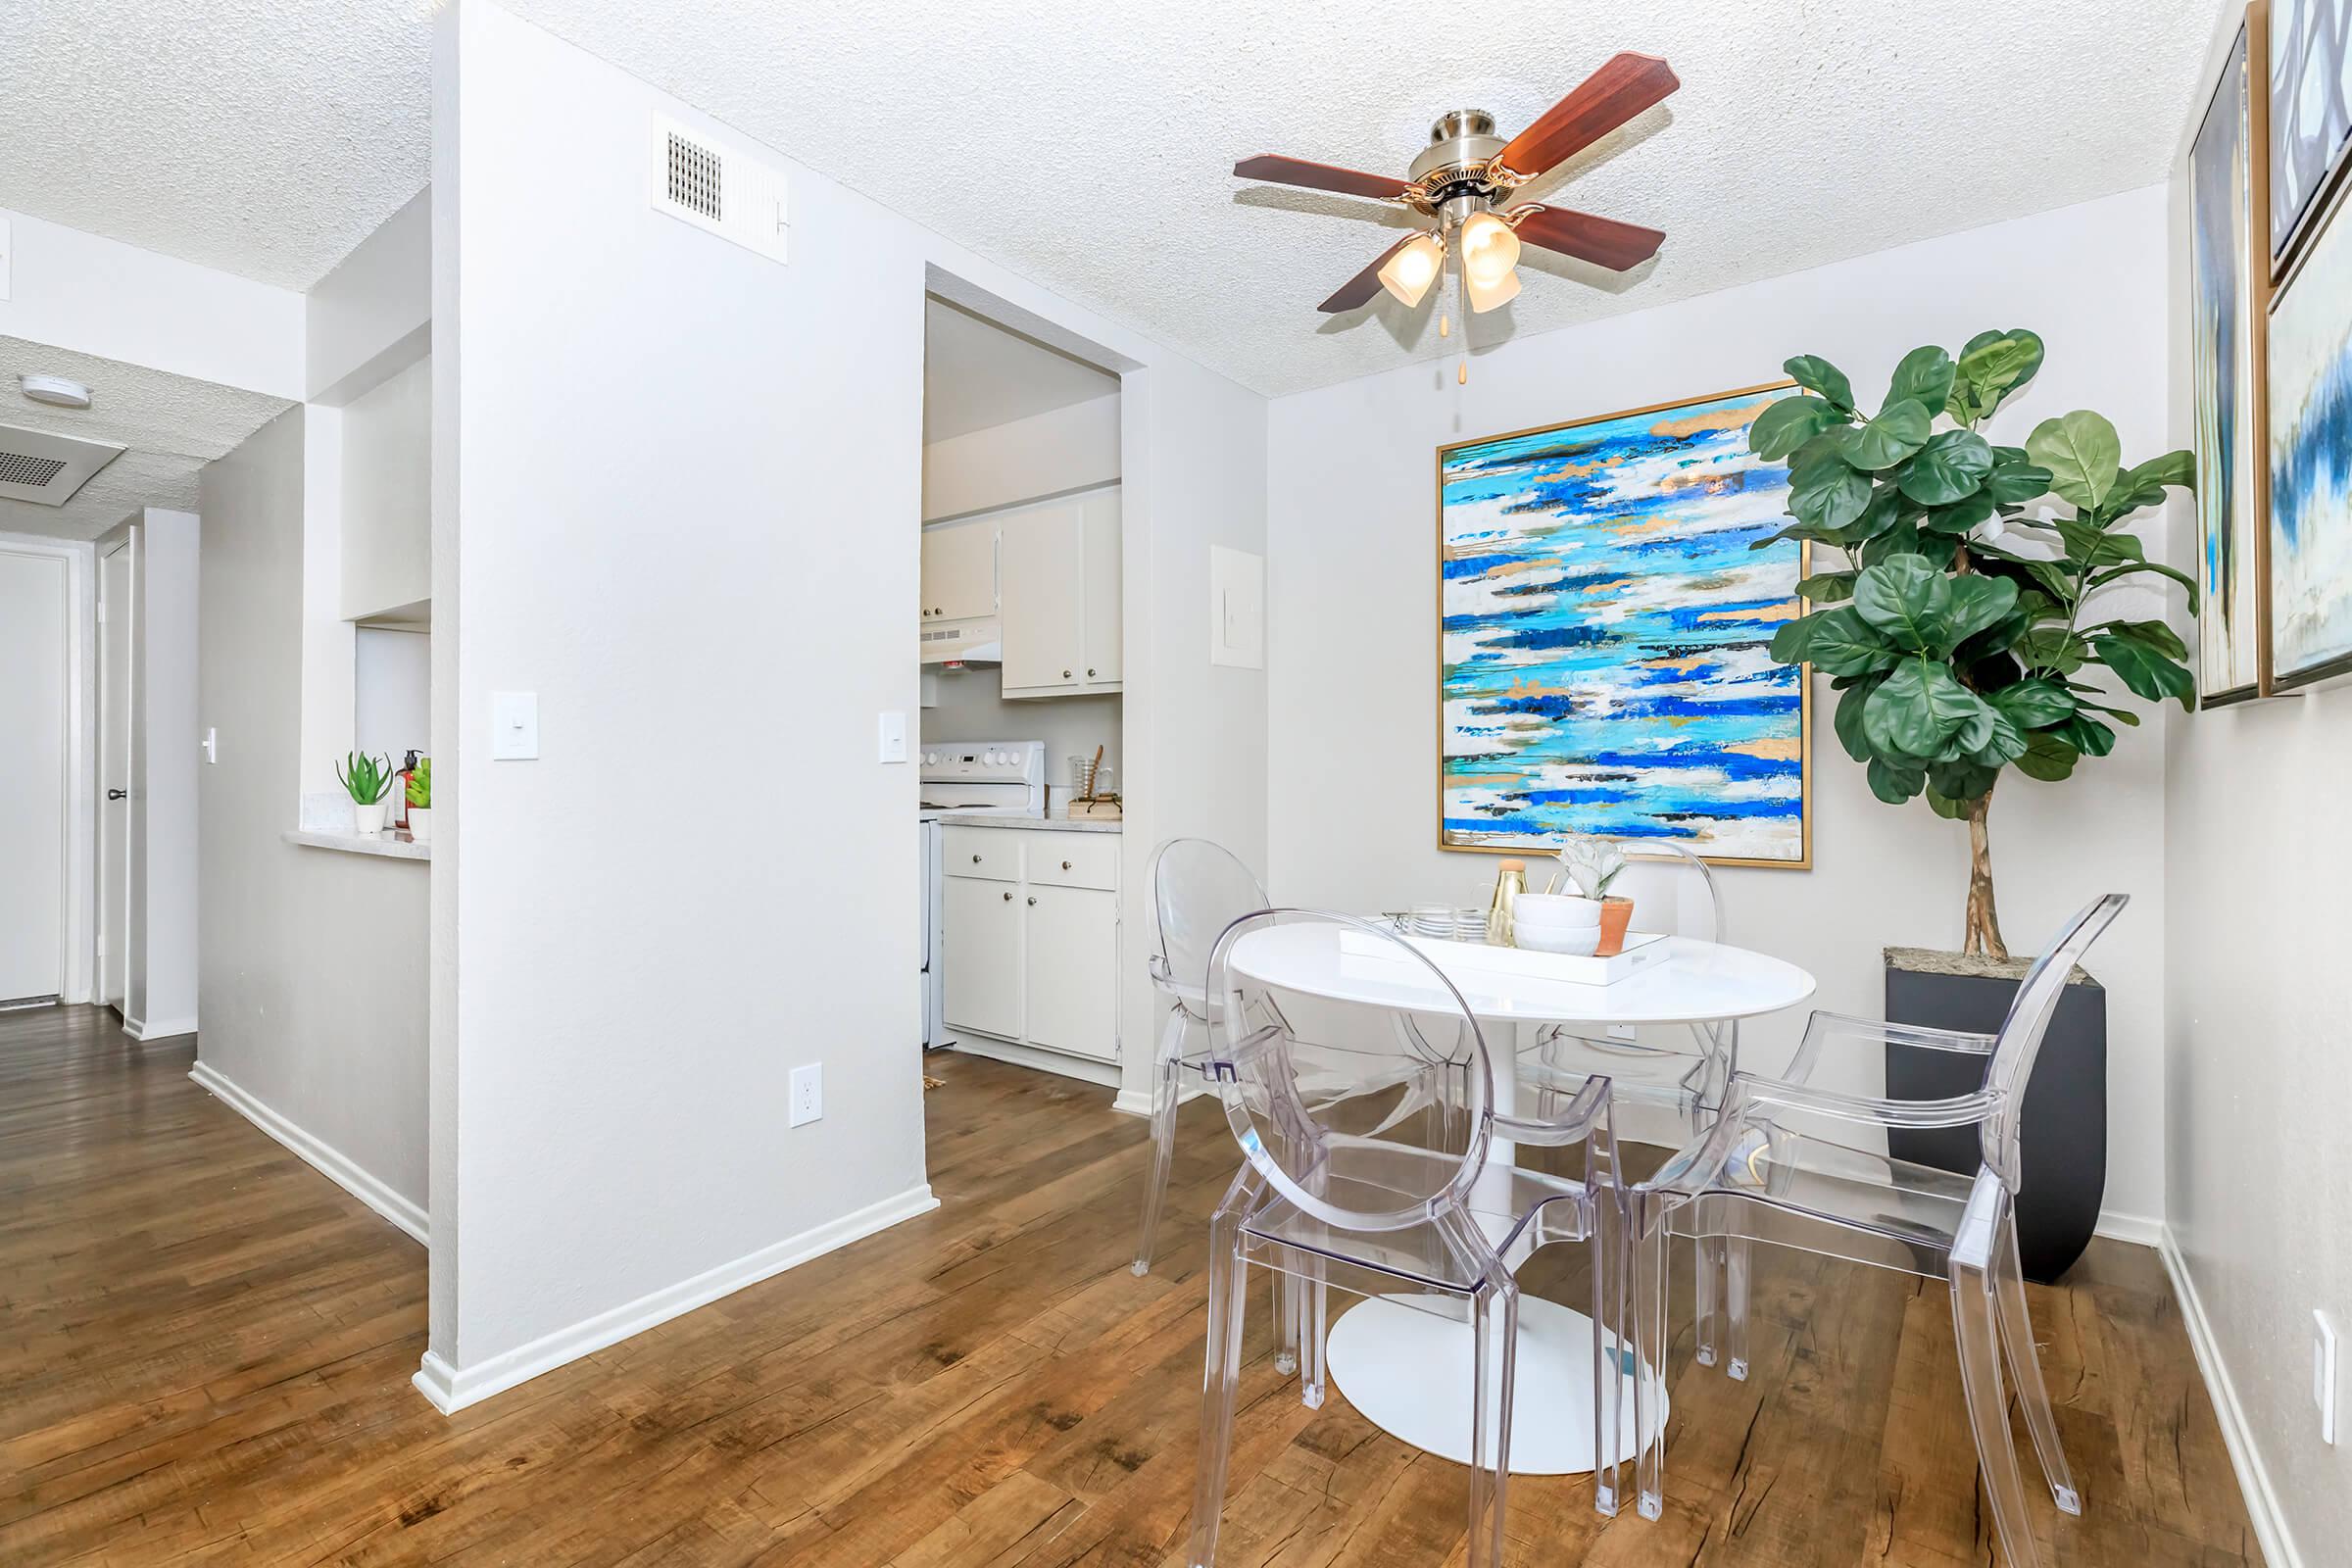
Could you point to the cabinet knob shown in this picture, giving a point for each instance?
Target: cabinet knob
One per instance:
(1008, 899)
(1033, 898)
(1066, 675)
(976, 859)
(1090, 674)
(1065, 866)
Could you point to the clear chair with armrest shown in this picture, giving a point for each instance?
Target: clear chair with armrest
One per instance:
(1365, 1127)
(1754, 1174)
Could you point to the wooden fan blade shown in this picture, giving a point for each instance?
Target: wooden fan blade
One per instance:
(1364, 284)
(1620, 89)
(1602, 241)
(1319, 177)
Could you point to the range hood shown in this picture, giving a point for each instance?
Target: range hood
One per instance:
(964, 642)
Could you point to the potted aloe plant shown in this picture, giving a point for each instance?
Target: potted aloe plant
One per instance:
(366, 780)
(1972, 630)
(420, 800)
(1591, 865)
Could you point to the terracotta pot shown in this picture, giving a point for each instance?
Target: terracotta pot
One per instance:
(1615, 915)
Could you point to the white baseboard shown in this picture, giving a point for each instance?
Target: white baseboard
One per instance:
(164, 1029)
(329, 1161)
(1021, 1054)
(1132, 1102)
(2137, 1229)
(452, 1388)
(2262, 1500)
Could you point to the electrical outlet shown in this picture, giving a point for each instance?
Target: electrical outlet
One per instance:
(2322, 1373)
(807, 1094)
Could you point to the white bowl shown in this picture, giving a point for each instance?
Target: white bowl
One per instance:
(1556, 909)
(1575, 943)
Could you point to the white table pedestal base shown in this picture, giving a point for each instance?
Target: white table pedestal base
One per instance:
(1408, 1370)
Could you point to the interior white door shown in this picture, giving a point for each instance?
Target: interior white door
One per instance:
(114, 775)
(1043, 597)
(33, 783)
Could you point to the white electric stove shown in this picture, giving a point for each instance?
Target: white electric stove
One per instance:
(966, 778)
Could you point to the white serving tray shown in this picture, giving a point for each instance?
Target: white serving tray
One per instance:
(1642, 950)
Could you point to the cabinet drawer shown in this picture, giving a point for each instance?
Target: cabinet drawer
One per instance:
(982, 852)
(1074, 859)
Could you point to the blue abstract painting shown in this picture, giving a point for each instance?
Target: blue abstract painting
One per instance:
(2311, 461)
(2223, 260)
(1604, 637)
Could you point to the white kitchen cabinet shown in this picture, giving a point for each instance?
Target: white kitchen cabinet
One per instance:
(983, 979)
(1060, 596)
(960, 572)
(1032, 940)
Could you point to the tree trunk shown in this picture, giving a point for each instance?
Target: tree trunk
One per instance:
(1983, 936)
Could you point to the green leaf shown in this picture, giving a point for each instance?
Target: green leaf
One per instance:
(1884, 509)
(1835, 642)
(2082, 455)
(2047, 758)
(1850, 733)
(1905, 600)
(2000, 741)
(1829, 587)
(1918, 708)
(1961, 782)
(1817, 374)
(1828, 493)
(1951, 464)
(1945, 807)
(2054, 648)
(2011, 484)
(1993, 365)
(2035, 704)
(1787, 426)
(2085, 735)
(2153, 635)
(2149, 674)
(1924, 378)
(1899, 430)
(1803, 530)
(1976, 602)
(1892, 783)
(2088, 546)
(2103, 578)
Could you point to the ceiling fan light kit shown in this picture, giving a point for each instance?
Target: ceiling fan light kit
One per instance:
(1461, 180)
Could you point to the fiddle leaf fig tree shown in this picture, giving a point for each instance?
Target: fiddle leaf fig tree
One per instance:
(1964, 631)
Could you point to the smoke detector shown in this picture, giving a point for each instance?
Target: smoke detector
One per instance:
(56, 391)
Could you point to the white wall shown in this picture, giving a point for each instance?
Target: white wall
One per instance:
(387, 494)
(314, 1008)
(392, 697)
(971, 707)
(373, 315)
(164, 903)
(2257, 1076)
(100, 296)
(1351, 639)
(607, 1112)
(1046, 453)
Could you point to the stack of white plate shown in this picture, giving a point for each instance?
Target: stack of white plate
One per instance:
(1447, 922)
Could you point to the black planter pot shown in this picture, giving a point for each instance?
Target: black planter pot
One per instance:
(2065, 1128)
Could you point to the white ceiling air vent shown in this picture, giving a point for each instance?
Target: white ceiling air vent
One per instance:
(47, 470)
(716, 185)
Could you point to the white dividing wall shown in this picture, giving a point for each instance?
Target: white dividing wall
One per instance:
(1046, 453)
(1351, 640)
(164, 901)
(387, 494)
(311, 964)
(2258, 1072)
(607, 1138)
(99, 296)
(373, 315)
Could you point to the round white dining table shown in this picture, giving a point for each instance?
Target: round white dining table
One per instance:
(1405, 1369)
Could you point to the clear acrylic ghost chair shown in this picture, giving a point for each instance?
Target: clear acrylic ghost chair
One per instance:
(1668, 1081)
(1197, 889)
(1752, 1175)
(1386, 1191)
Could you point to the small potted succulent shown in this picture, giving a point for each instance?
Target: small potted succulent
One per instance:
(420, 800)
(366, 780)
(1591, 865)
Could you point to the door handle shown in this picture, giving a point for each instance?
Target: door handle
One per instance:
(118, 794)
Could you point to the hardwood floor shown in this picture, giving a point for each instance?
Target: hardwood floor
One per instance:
(205, 1350)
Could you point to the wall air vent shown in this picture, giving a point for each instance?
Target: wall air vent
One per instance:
(47, 470)
(717, 186)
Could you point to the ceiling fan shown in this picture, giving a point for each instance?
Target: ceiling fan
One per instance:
(1464, 174)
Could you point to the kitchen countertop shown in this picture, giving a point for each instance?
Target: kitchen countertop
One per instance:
(1056, 823)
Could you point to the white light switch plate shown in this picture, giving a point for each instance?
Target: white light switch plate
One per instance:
(514, 726)
(894, 737)
(1237, 608)
(807, 1094)
(212, 747)
(2322, 1373)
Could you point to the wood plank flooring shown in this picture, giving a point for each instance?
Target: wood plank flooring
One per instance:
(205, 1352)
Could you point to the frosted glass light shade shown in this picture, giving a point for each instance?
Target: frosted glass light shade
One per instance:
(1409, 272)
(1485, 296)
(1490, 249)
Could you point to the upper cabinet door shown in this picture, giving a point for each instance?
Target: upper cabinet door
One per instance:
(960, 572)
(1044, 605)
(1103, 589)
